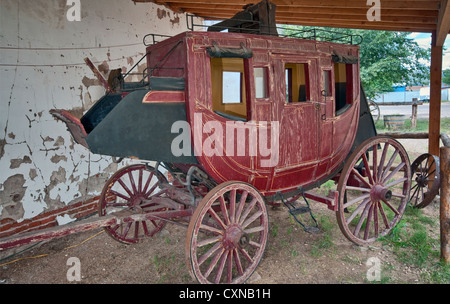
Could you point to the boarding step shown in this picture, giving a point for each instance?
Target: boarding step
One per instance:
(295, 211)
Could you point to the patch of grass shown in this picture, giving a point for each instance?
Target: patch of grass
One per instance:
(413, 246)
(422, 126)
(326, 239)
(167, 267)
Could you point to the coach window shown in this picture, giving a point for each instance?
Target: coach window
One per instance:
(343, 86)
(228, 87)
(297, 82)
(260, 82)
(327, 88)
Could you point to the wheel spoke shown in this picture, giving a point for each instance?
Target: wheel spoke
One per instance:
(368, 172)
(216, 218)
(374, 162)
(241, 206)
(207, 228)
(125, 187)
(141, 173)
(210, 252)
(389, 165)
(230, 266)
(224, 210)
(357, 210)
(396, 182)
(214, 262)
(361, 178)
(221, 267)
(359, 198)
(237, 261)
(360, 189)
(147, 183)
(133, 185)
(209, 241)
(391, 207)
(252, 219)
(119, 195)
(383, 157)
(247, 211)
(232, 205)
(254, 229)
(375, 219)
(383, 215)
(369, 218)
(361, 219)
(401, 165)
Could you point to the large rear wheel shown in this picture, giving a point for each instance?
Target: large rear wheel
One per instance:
(373, 189)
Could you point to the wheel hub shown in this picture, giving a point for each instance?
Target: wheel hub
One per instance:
(379, 192)
(421, 180)
(135, 204)
(235, 237)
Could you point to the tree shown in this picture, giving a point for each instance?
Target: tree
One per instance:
(446, 77)
(386, 57)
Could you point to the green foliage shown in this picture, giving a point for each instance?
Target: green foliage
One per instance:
(386, 57)
(446, 77)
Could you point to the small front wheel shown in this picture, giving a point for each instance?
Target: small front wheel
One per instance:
(227, 234)
(130, 189)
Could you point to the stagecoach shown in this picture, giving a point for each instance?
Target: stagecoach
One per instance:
(228, 123)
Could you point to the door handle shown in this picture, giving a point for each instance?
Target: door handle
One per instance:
(317, 107)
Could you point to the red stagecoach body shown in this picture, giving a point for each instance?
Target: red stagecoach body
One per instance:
(314, 98)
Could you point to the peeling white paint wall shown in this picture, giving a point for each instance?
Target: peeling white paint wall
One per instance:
(42, 68)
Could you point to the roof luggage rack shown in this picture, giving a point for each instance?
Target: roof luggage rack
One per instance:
(259, 19)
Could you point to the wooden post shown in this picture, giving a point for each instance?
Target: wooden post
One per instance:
(435, 96)
(414, 114)
(445, 204)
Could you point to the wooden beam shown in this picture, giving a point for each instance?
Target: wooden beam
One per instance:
(387, 26)
(392, 4)
(443, 25)
(435, 95)
(234, 8)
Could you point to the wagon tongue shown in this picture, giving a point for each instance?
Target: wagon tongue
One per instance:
(73, 124)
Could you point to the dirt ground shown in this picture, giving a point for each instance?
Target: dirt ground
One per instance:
(292, 256)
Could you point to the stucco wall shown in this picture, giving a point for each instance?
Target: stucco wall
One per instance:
(42, 68)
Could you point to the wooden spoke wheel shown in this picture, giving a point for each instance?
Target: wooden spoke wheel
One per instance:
(374, 110)
(129, 190)
(227, 234)
(425, 180)
(373, 188)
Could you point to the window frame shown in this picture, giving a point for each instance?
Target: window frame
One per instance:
(291, 73)
(265, 82)
(348, 72)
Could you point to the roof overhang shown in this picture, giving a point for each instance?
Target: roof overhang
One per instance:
(394, 15)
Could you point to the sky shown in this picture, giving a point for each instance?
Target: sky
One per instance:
(424, 40)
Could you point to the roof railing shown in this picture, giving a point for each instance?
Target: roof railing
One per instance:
(255, 27)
